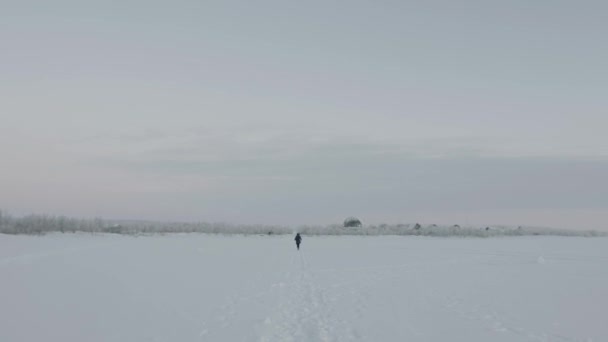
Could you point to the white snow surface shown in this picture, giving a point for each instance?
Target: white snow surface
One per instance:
(196, 287)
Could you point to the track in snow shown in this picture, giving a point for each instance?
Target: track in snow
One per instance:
(303, 311)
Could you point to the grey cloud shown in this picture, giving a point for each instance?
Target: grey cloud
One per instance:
(361, 175)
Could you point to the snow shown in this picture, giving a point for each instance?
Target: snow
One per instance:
(197, 287)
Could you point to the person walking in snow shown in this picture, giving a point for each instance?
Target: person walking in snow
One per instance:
(298, 240)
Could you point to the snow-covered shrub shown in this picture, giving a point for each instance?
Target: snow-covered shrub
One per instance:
(352, 222)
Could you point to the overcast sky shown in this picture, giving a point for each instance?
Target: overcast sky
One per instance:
(468, 112)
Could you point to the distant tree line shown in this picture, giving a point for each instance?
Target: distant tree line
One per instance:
(42, 224)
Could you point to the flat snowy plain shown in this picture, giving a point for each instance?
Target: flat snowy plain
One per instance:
(195, 287)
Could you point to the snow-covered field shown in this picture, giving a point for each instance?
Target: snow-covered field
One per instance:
(193, 287)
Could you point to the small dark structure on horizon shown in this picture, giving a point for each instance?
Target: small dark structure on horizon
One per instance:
(351, 222)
